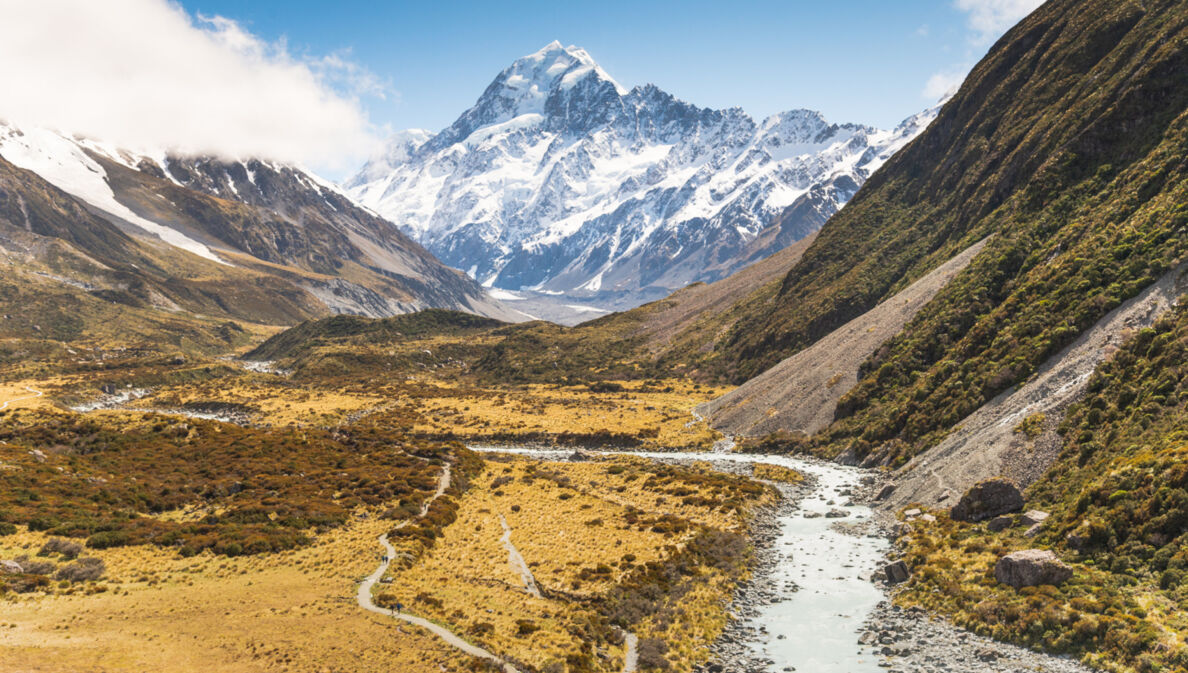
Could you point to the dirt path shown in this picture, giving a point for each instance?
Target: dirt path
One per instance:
(631, 658)
(516, 560)
(443, 483)
(36, 393)
(366, 601)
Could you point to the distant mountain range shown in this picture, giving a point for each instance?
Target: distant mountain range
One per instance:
(251, 223)
(559, 181)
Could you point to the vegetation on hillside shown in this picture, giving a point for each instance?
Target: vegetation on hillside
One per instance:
(1118, 496)
(127, 479)
(1067, 144)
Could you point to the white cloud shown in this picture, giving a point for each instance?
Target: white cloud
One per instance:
(145, 75)
(945, 83)
(989, 19)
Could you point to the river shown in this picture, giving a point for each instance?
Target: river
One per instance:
(815, 628)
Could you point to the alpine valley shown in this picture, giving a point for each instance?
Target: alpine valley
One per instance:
(917, 399)
(560, 182)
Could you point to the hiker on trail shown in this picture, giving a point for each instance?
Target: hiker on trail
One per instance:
(399, 607)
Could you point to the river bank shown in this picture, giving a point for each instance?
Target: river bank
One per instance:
(813, 602)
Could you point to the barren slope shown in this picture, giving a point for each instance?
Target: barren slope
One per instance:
(800, 393)
(990, 442)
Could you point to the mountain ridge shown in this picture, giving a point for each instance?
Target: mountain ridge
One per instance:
(274, 219)
(561, 181)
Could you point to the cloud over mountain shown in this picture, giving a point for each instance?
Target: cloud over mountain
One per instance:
(991, 18)
(146, 75)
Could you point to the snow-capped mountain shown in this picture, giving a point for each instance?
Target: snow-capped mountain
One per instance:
(270, 222)
(559, 180)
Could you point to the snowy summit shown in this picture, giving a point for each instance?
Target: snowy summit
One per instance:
(561, 181)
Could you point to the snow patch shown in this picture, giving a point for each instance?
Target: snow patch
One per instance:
(63, 163)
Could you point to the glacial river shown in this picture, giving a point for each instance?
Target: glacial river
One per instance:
(814, 629)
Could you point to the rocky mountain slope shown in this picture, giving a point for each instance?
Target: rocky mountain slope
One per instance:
(560, 181)
(800, 394)
(1067, 143)
(247, 218)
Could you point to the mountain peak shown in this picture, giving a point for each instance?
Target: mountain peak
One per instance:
(555, 66)
(552, 80)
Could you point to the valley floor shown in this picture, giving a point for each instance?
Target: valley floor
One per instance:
(365, 557)
(578, 566)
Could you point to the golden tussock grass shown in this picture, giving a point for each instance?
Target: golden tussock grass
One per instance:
(292, 611)
(582, 528)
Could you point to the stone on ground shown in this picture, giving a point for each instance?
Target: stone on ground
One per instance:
(1031, 567)
(988, 499)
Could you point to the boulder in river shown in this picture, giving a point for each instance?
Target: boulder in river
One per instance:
(988, 499)
(1031, 567)
(836, 514)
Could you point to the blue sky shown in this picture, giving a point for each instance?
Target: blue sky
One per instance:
(860, 60)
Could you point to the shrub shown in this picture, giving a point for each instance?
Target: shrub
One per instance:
(86, 569)
(42, 523)
(651, 653)
(56, 545)
(108, 539)
(32, 567)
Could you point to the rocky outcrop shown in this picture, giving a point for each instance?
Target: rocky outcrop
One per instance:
(1031, 567)
(988, 499)
(559, 179)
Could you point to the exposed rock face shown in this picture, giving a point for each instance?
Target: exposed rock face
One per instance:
(1031, 567)
(281, 245)
(987, 499)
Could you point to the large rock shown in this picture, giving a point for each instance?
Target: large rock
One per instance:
(10, 568)
(1000, 523)
(1033, 517)
(988, 499)
(1031, 567)
(897, 572)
